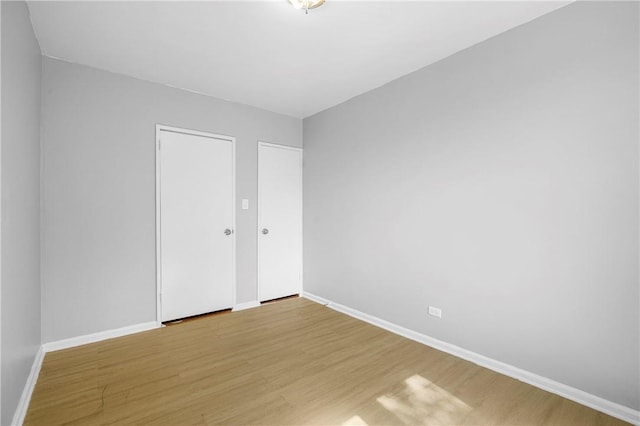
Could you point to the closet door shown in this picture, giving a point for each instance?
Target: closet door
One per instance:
(196, 238)
(279, 221)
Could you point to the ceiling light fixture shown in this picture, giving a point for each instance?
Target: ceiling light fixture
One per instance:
(306, 4)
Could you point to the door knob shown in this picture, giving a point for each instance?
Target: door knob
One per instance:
(228, 231)
(265, 231)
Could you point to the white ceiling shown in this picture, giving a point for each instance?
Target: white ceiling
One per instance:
(267, 54)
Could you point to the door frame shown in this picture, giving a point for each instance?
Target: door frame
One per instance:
(301, 151)
(160, 128)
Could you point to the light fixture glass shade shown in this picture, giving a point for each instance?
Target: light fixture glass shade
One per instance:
(306, 4)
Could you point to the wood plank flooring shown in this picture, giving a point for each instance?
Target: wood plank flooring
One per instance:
(293, 362)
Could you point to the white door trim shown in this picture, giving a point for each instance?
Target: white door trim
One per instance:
(291, 148)
(160, 128)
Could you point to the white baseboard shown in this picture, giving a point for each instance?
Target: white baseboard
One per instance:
(25, 398)
(614, 409)
(99, 336)
(246, 305)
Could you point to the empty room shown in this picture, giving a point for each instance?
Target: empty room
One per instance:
(320, 212)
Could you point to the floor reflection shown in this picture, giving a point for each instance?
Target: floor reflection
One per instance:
(421, 401)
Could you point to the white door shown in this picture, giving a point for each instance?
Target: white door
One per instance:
(279, 221)
(196, 209)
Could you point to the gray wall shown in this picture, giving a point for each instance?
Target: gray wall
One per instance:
(98, 255)
(501, 185)
(21, 76)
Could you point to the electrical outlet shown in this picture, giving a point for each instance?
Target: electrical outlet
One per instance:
(435, 312)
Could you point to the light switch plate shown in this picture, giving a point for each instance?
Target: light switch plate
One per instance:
(435, 312)
(245, 204)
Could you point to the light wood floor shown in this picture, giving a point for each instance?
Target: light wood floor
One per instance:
(290, 362)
